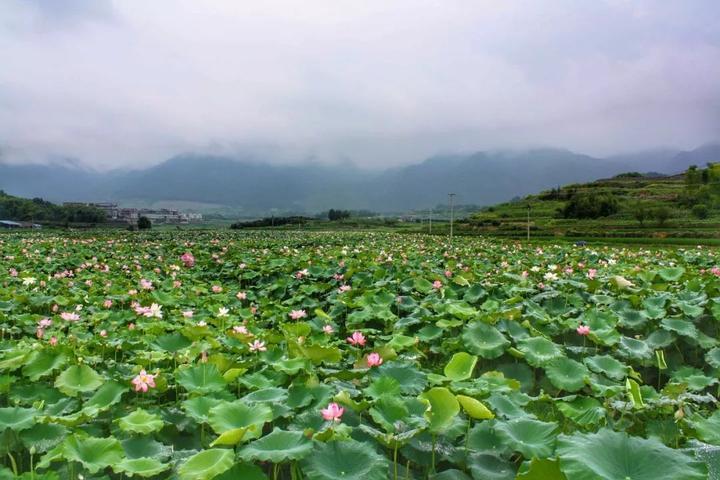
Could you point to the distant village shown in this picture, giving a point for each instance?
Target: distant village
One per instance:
(115, 213)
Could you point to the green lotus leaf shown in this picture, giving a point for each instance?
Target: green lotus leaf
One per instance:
(43, 436)
(411, 379)
(277, 447)
(660, 339)
(486, 466)
(671, 274)
(140, 421)
(443, 408)
(172, 342)
(141, 447)
(243, 471)
(567, 374)
(681, 327)
(634, 349)
(708, 429)
(609, 455)
(93, 453)
(233, 415)
(382, 386)
(460, 366)
(539, 351)
(532, 438)
(17, 418)
(271, 395)
(451, 474)
(349, 460)
(43, 362)
(475, 408)
(585, 411)
(106, 396)
(655, 307)
(234, 436)
(541, 469)
(78, 379)
(318, 354)
(388, 410)
(607, 365)
(484, 340)
(13, 359)
(142, 467)
(202, 378)
(694, 378)
(713, 357)
(207, 464)
(199, 407)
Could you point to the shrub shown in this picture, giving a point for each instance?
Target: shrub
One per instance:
(661, 214)
(700, 211)
(144, 223)
(590, 205)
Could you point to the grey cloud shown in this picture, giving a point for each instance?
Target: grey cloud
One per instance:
(376, 83)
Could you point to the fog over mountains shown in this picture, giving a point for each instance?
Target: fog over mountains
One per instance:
(255, 187)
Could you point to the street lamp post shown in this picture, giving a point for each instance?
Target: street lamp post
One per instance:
(452, 197)
(528, 222)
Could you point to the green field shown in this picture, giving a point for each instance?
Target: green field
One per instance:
(307, 355)
(511, 219)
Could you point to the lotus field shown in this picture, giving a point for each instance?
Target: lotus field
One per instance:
(218, 355)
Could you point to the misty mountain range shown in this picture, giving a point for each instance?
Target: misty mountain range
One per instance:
(255, 188)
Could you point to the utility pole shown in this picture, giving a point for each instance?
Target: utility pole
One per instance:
(430, 220)
(452, 197)
(528, 222)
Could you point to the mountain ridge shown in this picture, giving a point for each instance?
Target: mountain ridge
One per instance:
(255, 187)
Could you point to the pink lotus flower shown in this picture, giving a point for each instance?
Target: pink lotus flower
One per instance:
(241, 329)
(338, 276)
(177, 284)
(188, 313)
(357, 338)
(103, 333)
(302, 273)
(143, 381)
(53, 341)
(216, 288)
(328, 329)
(131, 326)
(524, 274)
(241, 295)
(448, 274)
(715, 271)
(591, 273)
(344, 288)
(107, 303)
(39, 333)
(374, 360)
(146, 284)
(188, 259)
(583, 330)
(333, 412)
(298, 314)
(253, 309)
(70, 316)
(257, 346)
(437, 284)
(44, 323)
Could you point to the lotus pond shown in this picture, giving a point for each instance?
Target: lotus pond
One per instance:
(222, 355)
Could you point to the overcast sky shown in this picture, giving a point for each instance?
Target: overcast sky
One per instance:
(374, 82)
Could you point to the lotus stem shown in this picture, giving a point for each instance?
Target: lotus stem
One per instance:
(395, 465)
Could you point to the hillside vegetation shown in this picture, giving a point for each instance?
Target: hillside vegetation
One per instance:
(630, 205)
(39, 210)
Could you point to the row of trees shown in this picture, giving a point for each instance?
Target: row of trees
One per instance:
(39, 210)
